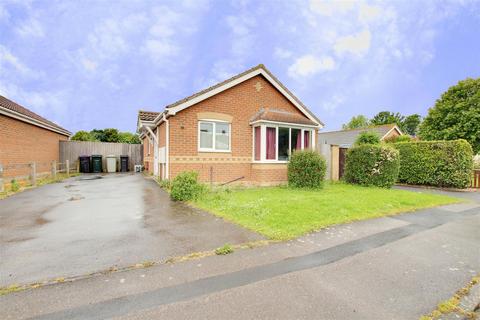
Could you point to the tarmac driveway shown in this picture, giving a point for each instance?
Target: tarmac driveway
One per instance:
(83, 225)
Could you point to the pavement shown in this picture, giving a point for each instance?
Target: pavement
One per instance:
(397, 267)
(91, 223)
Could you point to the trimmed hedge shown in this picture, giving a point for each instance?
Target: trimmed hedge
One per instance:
(306, 169)
(372, 165)
(436, 163)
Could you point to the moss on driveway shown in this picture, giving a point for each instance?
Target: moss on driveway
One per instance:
(282, 213)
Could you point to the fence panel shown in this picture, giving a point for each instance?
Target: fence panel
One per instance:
(71, 150)
(476, 179)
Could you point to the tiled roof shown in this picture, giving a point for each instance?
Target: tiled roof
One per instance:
(260, 66)
(281, 116)
(348, 137)
(147, 115)
(15, 107)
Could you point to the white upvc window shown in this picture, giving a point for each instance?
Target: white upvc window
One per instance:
(276, 142)
(214, 136)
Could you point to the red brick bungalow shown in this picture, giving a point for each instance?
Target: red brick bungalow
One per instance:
(242, 129)
(26, 137)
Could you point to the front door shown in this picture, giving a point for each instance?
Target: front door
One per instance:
(341, 162)
(155, 160)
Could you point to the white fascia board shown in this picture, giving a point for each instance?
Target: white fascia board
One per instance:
(388, 132)
(288, 124)
(233, 83)
(21, 117)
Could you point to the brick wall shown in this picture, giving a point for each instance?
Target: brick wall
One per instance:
(241, 102)
(22, 143)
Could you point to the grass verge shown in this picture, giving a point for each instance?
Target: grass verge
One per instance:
(17, 187)
(282, 213)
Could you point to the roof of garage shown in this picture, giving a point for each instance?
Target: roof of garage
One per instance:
(14, 110)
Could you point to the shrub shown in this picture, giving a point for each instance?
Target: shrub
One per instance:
(402, 138)
(436, 163)
(367, 137)
(306, 169)
(14, 186)
(185, 186)
(372, 165)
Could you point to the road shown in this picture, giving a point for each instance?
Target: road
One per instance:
(397, 267)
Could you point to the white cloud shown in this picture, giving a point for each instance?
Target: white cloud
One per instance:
(160, 49)
(31, 28)
(333, 103)
(281, 53)
(309, 65)
(368, 13)
(9, 63)
(330, 7)
(357, 44)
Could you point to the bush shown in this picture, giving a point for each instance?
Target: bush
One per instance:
(436, 163)
(306, 169)
(402, 138)
(14, 186)
(185, 186)
(372, 165)
(367, 137)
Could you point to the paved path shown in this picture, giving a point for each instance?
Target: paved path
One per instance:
(80, 226)
(389, 268)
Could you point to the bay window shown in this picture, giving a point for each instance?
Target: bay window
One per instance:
(213, 136)
(275, 143)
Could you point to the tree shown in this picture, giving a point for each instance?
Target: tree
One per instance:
(98, 134)
(411, 123)
(387, 117)
(456, 115)
(111, 135)
(128, 137)
(356, 122)
(367, 137)
(83, 136)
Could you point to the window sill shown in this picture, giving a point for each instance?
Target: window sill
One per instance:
(270, 161)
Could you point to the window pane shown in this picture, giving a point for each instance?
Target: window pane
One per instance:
(283, 137)
(296, 139)
(257, 143)
(271, 147)
(206, 135)
(222, 136)
(306, 139)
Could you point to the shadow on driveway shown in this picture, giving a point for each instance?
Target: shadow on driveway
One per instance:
(84, 225)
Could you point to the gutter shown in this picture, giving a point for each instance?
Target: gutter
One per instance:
(21, 117)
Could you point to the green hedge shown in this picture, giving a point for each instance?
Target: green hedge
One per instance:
(372, 165)
(306, 169)
(436, 163)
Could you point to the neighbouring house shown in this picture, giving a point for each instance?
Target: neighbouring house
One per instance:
(334, 144)
(241, 130)
(26, 137)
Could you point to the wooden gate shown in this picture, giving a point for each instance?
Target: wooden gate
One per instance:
(476, 179)
(341, 161)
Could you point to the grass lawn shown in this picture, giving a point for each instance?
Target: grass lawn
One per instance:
(282, 213)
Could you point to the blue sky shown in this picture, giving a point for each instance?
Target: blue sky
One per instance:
(94, 64)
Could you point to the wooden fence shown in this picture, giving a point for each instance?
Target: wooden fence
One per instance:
(71, 150)
(29, 173)
(476, 179)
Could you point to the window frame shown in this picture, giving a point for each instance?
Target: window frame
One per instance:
(263, 141)
(214, 137)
